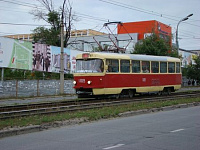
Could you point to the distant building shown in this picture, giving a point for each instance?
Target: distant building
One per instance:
(146, 28)
(25, 37)
(187, 57)
(111, 43)
(86, 32)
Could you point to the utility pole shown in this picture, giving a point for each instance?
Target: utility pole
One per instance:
(62, 58)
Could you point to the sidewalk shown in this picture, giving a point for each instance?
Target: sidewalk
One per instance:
(15, 101)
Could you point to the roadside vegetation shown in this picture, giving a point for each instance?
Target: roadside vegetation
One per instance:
(90, 115)
(18, 74)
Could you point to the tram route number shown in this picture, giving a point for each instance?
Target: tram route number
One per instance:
(155, 81)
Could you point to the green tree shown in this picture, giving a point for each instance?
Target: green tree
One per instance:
(193, 70)
(154, 45)
(51, 35)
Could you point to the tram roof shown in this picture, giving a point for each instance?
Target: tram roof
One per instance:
(131, 56)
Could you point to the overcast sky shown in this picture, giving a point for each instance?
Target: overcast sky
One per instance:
(92, 14)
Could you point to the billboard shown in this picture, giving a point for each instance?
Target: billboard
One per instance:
(73, 54)
(55, 59)
(15, 54)
(35, 56)
(41, 57)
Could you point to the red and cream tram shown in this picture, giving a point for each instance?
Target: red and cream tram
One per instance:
(100, 74)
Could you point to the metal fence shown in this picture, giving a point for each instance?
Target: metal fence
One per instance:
(27, 88)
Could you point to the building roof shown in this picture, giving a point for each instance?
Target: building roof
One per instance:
(74, 33)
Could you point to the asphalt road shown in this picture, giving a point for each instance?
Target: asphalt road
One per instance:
(169, 130)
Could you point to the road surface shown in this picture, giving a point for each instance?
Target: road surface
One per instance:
(169, 130)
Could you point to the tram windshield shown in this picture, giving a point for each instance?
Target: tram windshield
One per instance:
(89, 65)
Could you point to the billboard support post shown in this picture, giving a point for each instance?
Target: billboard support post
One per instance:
(16, 88)
(2, 74)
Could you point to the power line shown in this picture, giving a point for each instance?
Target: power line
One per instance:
(152, 12)
(21, 24)
(21, 4)
(143, 11)
(92, 17)
(14, 11)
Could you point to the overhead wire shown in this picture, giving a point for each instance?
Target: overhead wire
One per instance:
(92, 17)
(119, 4)
(21, 4)
(128, 6)
(151, 11)
(21, 24)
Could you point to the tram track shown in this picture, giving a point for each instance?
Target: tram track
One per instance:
(7, 112)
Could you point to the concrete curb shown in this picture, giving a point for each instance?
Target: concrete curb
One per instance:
(18, 131)
(167, 108)
(36, 128)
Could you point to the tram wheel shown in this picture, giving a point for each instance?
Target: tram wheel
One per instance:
(130, 93)
(160, 93)
(117, 96)
(169, 91)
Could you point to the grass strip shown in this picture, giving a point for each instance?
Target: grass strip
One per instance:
(92, 114)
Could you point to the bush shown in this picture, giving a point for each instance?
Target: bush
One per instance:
(17, 74)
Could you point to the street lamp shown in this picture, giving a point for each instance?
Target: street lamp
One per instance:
(186, 18)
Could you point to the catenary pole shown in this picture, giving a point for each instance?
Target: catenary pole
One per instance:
(62, 58)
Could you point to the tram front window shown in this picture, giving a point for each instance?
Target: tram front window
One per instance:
(89, 65)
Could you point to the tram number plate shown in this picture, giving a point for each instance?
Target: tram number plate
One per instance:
(81, 80)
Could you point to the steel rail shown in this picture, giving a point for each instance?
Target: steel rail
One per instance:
(9, 108)
(91, 105)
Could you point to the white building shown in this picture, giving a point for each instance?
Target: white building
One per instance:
(109, 42)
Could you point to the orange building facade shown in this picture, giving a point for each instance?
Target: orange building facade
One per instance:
(145, 28)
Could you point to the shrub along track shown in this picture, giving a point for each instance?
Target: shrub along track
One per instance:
(7, 112)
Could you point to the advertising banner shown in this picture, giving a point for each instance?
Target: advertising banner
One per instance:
(73, 59)
(35, 56)
(15, 54)
(6, 46)
(21, 56)
(41, 57)
(55, 59)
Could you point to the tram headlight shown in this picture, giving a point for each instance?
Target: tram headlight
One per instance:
(89, 82)
(74, 82)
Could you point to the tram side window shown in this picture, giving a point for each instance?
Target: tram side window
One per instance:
(171, 67)
(163, 67)
(113, 65)
(145, 66)
(135, 66)
(178, 70)
(125, 66)
(155, 67)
